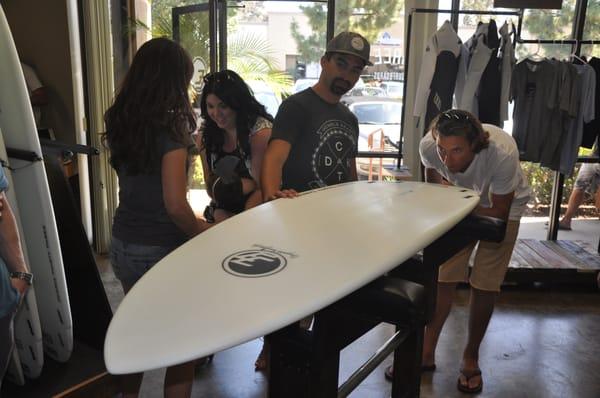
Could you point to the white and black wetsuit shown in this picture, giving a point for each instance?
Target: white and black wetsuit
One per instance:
(490, 85)
(439, 70)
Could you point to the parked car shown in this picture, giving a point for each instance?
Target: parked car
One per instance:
(367, 90)
(302, 84)
(379, 130)
(265, 95)
(394, 89)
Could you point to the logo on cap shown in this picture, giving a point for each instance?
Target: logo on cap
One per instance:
(357, 43)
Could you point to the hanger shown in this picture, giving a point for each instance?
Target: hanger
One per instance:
(577, 57)
(535, 56)
(573, 56)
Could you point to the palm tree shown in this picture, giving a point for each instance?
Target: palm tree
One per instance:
(248, 54)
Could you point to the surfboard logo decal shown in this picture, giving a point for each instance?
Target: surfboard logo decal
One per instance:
(254, 263)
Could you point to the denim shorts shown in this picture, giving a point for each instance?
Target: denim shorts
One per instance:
(9, 296)
(130, 261)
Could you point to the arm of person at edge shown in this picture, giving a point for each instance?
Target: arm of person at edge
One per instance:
(174, 182)
(258, 146)
(272, 167)
(205, 170)
(10, 246)
(500, 203)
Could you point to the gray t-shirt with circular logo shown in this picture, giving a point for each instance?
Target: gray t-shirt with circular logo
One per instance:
(323, 137)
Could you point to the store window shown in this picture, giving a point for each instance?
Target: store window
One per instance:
(467, 24)
(276, 46)
(376, 99)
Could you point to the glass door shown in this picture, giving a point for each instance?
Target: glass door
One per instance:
(194, 29)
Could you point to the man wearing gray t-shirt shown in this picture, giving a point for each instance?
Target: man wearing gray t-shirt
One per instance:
(314, 137)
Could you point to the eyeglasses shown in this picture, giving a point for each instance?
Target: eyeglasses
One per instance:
(453, 114)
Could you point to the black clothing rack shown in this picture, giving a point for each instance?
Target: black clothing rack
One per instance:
(413, 11)
(559, 178)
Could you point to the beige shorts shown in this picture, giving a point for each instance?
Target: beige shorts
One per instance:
(490, 264)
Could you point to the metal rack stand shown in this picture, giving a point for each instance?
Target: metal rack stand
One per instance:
(518, 14)
(559, 178)
(557, 187)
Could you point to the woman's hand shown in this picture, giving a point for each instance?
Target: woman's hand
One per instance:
(284, 193)
(21, 287)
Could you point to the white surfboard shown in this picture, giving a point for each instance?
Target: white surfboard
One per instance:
(33, 196)
(27, 329)
(272, 265)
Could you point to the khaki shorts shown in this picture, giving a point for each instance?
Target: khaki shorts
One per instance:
(490, 265)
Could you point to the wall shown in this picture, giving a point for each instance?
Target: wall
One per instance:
(40, 31)
(279, 35)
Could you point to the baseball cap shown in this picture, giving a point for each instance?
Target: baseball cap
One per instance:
(350, 43)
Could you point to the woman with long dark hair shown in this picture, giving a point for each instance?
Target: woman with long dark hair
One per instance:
(148, 133)
(233, 138)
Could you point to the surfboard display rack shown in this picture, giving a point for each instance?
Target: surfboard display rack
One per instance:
(84, 374)
(306, 363)
(21, 154)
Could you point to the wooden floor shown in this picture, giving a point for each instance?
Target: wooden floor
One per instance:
(562, 260)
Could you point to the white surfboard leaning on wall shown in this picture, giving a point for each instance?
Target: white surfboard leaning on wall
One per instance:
(27, 328)
(33, 195)
(274, 264)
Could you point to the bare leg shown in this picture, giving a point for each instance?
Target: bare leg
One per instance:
(481, 307)
(575, 200)
(445, 297)
(262, 361)
(179, 380)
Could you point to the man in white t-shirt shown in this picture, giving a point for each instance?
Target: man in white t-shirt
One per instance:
(459, 150)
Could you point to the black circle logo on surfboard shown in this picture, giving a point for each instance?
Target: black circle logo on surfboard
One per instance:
(254, 263)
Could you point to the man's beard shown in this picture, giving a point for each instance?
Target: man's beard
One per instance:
(340, 86)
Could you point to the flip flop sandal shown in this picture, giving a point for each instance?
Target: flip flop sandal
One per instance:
(389, 371)
(469, 374)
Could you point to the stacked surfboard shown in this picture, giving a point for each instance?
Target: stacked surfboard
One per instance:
(45, 319)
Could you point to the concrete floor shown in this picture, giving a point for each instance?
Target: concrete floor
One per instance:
(542, 342)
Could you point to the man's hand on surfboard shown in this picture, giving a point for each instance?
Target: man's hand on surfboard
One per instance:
(284, 193)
